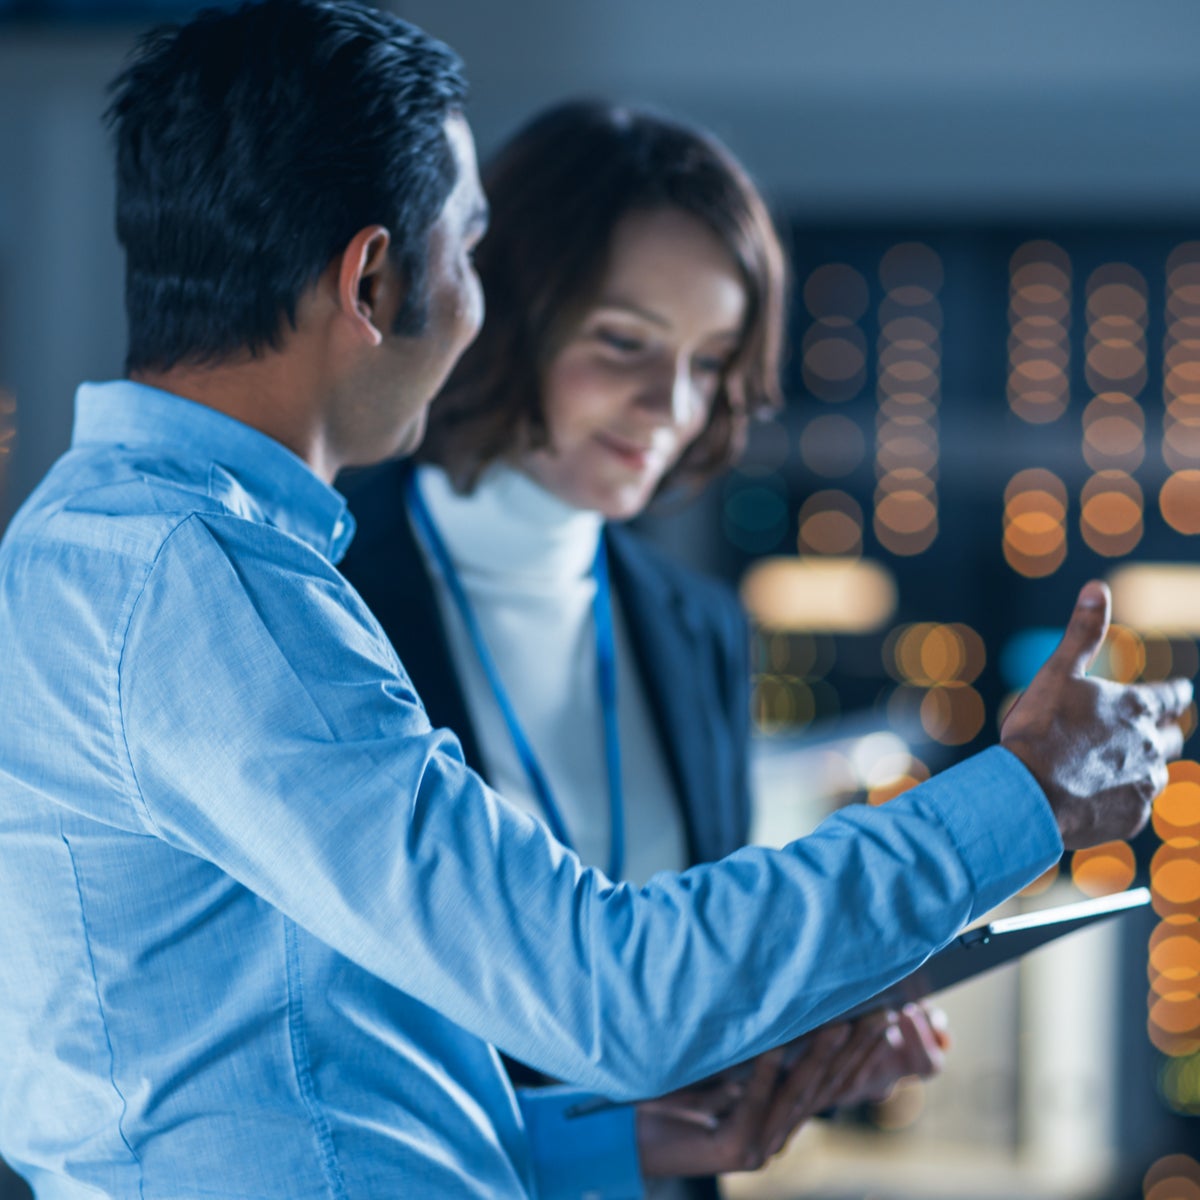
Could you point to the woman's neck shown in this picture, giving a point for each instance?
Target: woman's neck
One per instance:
(510, 526)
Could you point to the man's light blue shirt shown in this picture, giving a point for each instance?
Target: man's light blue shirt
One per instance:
(262, 927)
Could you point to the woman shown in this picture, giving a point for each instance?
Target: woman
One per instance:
(635, 290)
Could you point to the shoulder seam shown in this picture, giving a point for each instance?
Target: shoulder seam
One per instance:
(119, 714)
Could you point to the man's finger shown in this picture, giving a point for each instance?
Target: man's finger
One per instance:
(1171, 697)
(1170, 741)
(1085, 631)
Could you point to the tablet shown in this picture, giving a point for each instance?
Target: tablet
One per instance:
(974, 952)
(984, 947)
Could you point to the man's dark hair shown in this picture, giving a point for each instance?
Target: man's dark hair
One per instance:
(557, 192)
(252, 145)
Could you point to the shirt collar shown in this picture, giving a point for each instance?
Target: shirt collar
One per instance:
(283, 487)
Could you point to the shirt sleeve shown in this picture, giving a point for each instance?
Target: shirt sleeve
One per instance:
(578, 1153)
(271, 730)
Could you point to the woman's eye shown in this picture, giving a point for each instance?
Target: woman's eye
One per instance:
(710, 365)
(620, 342)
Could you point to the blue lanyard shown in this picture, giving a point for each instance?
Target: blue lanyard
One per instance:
(606, 675)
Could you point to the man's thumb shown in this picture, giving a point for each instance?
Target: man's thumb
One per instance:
(1085, 631)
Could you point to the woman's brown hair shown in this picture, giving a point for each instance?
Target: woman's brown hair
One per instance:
(557, 192)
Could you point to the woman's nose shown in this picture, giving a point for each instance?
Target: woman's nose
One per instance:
(673, 394)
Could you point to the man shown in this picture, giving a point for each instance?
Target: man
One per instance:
(262, 927)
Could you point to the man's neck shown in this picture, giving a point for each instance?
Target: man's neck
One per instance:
(273, 393)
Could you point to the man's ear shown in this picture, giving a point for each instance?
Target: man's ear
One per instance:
(365, 283)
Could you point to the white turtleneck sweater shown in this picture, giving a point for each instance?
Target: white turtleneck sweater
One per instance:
(524, 559)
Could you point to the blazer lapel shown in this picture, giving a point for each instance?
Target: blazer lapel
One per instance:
(388, 569)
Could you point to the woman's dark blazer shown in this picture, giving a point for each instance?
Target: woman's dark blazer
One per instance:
(689, 639)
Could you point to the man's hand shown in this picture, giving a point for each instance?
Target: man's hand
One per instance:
(1098, 749)
(737, 1122)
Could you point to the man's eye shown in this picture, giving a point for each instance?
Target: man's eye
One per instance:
(619, 341)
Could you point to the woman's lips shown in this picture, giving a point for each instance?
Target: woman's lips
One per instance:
(632, 454)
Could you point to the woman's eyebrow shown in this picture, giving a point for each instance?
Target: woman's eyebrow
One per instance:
(619, 304)
(638, 310)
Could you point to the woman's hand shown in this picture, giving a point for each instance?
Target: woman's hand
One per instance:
(737, 1121)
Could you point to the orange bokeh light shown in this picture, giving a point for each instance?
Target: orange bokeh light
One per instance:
(1176, 813)
(953, 713)
(1111, 513)
(1035, 566)
(910, 331)
(1042, 883)
(1175, 879)
(831, 533)
(1176, 961)
(1179, 501)
(1176, 1188)
(911, 266)
(1168, 931)
(1117, 290)
(1180, 1017)
(836, 289)
(1104, 869)
(1037, 479)
(1176, 1045)
(1181, 443)
(1169, 1169)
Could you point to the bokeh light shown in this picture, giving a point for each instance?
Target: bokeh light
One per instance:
(1173, 1177)
(1179, 1084)
(834, 348)
(1110, 516)
(1179, 497)
(1035, 516)
(834, 359)
(830, 523)
(1114, 433)
(782, 702)
(936, 665)
(1039, 326)
(908, 390)
(1043, 883)
(832, 445)
(953, 714)
(1112, 506)
(906, 521)
(836, 290)
(927, 653)
(916, 772)
(836, 595)
(1175, 876)
(1179, 500)
(1103, 870)
(1161, 597)
(754, 515)
(1173, 962)
(1122, 656)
